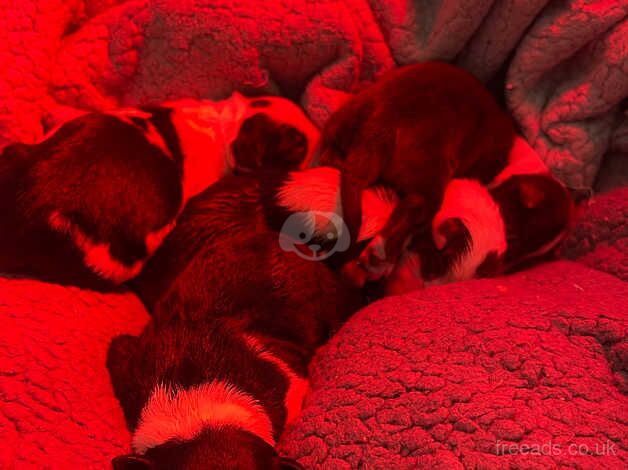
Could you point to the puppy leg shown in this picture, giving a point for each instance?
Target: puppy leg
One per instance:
(381, 255)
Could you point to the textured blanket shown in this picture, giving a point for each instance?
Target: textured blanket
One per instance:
(565, 63)
(57, 408)
(528, 371)
(600, 238)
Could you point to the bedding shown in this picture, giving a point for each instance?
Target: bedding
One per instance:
(57, 408)
(526, 371)
(600, 237)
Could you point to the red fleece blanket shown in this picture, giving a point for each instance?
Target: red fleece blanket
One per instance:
(600, 238)
(528, 371)
(57, 408)
(566, 63)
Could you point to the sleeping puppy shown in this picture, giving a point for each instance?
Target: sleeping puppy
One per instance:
(226, 251)
(485, 233)
(221, 369)
(414, 130)
(214, 394)
(90, 203)
(467, 233)
(477, 232)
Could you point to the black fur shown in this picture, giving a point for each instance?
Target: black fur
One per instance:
(436, 263)
(200, 268)
(264, 143)
(219, 276)
(415, 129)
(536, 210)
(227, 449)
(98, 172)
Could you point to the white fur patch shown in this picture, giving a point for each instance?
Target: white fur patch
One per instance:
(173, 413)
(377, 205)
(97, 256)
(318, 190)
(297, 386)
(315, 190)
(206, 130)
(522, 160)
(472, 203)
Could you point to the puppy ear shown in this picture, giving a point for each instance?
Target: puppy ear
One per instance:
(132, 462)
(249, 146)
(289, 464)
(531, 196)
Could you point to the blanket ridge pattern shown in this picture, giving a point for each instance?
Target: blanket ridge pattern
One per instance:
(528, 371)
(57, 407)
(566, 62)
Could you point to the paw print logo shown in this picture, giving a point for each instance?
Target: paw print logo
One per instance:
(314, 235)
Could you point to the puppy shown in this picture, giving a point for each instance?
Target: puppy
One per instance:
(414, 130)
(221, 369)
(213, 394)
(486, 233)
(468, 240)
(90, 203)
(196, 270)
(467, 232)
(477, 232)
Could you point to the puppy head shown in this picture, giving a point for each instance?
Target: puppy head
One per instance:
(226, 448)
(467, 240)
(275, 133)
(537, 211)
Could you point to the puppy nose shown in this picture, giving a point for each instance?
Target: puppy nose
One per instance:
(315, 248)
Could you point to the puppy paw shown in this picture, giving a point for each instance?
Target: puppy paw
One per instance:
(374, 260)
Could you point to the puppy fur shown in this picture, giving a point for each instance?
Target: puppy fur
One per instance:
(197, 395)
(484, 233)
(231, 311)
(414, 130)
(91, 203)
(477, 232)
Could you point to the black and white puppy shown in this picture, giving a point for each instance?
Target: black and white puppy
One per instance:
(90, 203)
(485, 233)
(415, 129)
(478, 231)
(467, 232)
(207, 395)
(221, 368)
